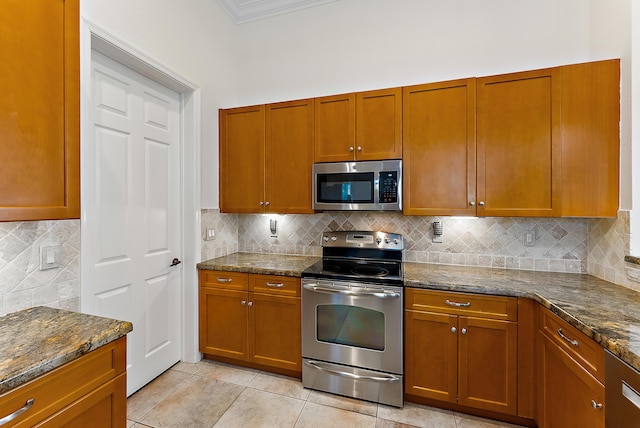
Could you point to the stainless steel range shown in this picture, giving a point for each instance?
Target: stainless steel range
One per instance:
(352, 317)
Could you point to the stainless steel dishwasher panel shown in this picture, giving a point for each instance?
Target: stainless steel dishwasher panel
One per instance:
(622, 393)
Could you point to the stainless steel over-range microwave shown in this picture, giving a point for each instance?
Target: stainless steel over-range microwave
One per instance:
(358, 186)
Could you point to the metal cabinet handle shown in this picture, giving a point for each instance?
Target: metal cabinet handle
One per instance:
(571, 341)
(463, 331)
(261, 203)
(12, 416)
(481, 203)
(267, 203)
(350, 148)
(244, 302)
(359, 148)
(250, 303)
(453, 329)
(224, 279)
(472, 204)
(457, 305)
(596, 405)
(275, 284)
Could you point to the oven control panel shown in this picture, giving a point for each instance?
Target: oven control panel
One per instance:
(363, 239)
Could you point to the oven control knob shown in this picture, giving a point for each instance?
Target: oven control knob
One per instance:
(387, 240)
(378, 240)
(395, 241)
(326, 239)
(334, 238)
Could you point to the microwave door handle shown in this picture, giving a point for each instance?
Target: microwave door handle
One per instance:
(352, 292)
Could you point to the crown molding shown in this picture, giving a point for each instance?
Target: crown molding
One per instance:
(242, 11)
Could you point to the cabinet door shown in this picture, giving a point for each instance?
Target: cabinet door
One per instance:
(566, 391)
(379, 124)
(289, 157)
(104, 407)
(242, 160)
(488, 364)
(274, 326)
(591, 139)
(439, 148)
(335, 128)
(223, 322)
(519, 144)
(40, 110)
(431, 354)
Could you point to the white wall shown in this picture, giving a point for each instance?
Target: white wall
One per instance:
(352, 45)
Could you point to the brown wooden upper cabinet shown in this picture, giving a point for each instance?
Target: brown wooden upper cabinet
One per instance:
(266, 154)
(439, 159)
(519, 144)
(360, 126)
(40, 110)
(542, 143)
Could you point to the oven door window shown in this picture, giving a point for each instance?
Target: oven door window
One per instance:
(352, 187)
(350, 326)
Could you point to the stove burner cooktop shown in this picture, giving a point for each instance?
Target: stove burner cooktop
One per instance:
(345, 269)
(374, 257)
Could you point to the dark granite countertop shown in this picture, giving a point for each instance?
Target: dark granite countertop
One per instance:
(37, 340)
(266, 264)
(606, 312)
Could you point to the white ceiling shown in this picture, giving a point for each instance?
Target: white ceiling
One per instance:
(251, 10)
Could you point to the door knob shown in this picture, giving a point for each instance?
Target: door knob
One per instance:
(175, 262)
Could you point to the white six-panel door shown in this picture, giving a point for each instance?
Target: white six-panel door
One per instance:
(133, 215)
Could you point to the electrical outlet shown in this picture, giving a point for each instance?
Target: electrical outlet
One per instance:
(529, 238)
(210, 235)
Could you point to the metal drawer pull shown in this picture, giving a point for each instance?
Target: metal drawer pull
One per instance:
(244, 302)
(573, 342)
(457, 305)
(596, 405)
(631, 394)
(381, 378)
(453, 329)
(18, 412)
(463, 331)
(224, 279)
(275, 284)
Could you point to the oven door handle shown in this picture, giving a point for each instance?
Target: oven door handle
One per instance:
(350, 291)
(382, 378)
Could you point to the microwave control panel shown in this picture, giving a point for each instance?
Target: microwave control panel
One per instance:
(388, 187)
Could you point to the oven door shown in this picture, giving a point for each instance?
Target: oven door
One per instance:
(355, 324)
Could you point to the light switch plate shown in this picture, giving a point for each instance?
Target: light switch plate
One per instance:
(49, 256)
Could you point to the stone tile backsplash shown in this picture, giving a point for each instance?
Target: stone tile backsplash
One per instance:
(594, 246)
(22, 283)
(560, 244)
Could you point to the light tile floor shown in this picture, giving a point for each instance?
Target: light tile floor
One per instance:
(211, 394)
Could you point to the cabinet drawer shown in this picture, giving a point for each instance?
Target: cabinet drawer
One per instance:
(62, 386)
(583, 349)
(271, 284)
(478, 305)
(224, 279)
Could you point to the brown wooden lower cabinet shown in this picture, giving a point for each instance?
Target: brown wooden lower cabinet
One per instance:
(567, 393)
(570, 376)
(259, 325)
(468, 360)
(89, 391)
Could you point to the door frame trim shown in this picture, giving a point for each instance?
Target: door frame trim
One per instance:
(93, 37)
